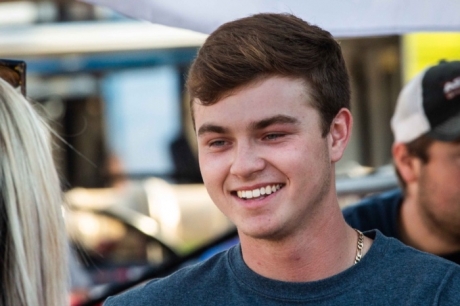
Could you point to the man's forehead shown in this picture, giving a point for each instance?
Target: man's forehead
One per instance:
(270, 96)
(308, 89)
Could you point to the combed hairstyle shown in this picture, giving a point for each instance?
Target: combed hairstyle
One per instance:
(33, 252)
(417, 148)
(264, 45)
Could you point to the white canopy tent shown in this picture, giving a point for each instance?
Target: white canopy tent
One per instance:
(343, 18)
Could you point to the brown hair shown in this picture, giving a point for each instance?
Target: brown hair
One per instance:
(417, 148)
(264, 45)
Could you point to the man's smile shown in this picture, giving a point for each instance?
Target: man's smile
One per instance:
(258, 192)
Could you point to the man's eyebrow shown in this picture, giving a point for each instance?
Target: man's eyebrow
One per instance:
(259, 125)
(279, 119)
(211, 128)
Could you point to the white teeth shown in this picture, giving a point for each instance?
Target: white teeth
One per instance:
(268, 190)
(250, 194)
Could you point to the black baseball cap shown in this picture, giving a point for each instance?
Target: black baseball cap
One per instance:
(430, 104)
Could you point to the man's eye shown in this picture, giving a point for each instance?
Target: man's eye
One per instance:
(217, 143)
(273, 136)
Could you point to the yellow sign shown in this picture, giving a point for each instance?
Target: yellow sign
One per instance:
(421, 50)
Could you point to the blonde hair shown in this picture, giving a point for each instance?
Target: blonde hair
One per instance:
(33, 242)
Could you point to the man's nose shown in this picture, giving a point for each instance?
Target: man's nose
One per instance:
(246, 161)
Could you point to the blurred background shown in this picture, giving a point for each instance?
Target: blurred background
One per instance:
(113, 90)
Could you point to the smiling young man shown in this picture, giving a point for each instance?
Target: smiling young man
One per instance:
(270, 106)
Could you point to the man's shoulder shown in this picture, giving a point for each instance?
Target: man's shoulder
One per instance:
(170, 289)
(391, 259)
(398, 256)
(378, 211)
(374, 201)
(431, 277)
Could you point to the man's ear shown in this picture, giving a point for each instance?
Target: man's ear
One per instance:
(407, 164)
(340, 133)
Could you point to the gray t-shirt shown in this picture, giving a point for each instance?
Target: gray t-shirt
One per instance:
(390, 274)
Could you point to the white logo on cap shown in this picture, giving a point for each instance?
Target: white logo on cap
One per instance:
(452, 89)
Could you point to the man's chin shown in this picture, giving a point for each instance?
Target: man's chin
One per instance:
(268, 234)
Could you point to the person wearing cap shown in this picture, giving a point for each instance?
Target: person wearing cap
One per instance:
(425, 212)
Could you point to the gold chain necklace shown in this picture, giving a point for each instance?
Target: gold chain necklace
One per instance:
(359, 247)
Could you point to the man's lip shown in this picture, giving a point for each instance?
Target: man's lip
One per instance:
(258, 186)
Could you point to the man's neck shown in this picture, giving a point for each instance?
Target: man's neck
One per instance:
(317, 253)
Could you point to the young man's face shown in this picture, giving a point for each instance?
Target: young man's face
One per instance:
(439, 188)
(263, 159)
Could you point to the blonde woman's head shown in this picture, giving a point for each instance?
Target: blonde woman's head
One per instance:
(33, 247)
